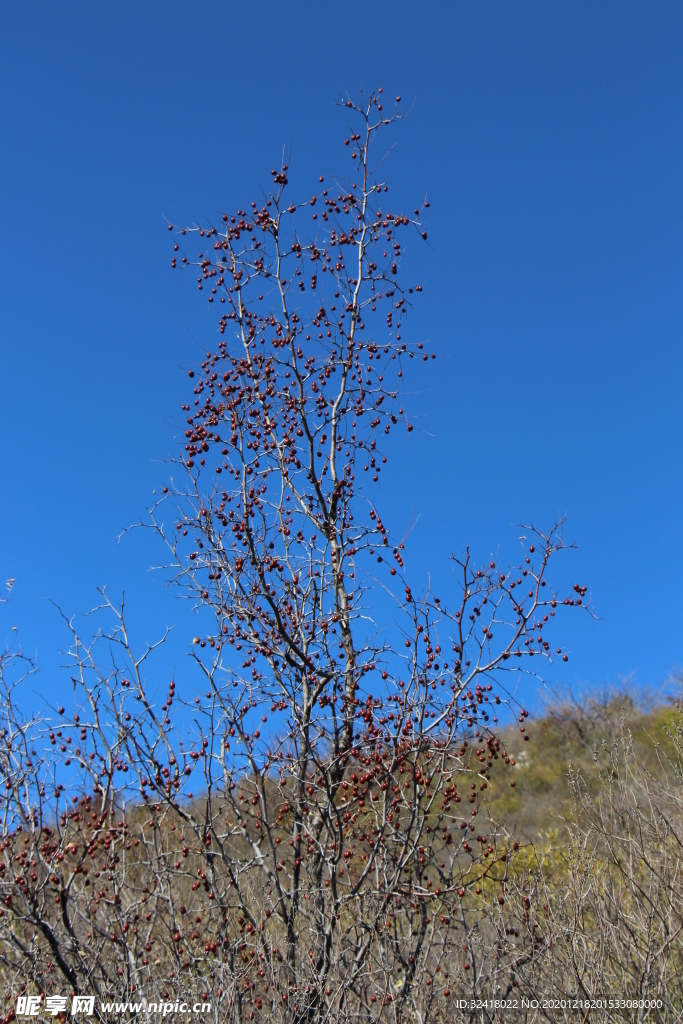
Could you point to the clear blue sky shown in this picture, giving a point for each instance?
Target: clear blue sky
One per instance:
(549, 139)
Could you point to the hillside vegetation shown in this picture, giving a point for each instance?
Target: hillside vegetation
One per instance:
(577, 737)
(577, 890)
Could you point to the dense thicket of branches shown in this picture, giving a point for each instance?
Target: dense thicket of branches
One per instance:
(309, 839)
(604, 913)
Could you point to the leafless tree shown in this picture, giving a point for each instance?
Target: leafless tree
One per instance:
(308, 841)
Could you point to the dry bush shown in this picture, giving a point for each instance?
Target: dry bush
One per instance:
(566, 733)
(598, 908)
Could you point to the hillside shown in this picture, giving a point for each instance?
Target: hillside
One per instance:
(577, 736)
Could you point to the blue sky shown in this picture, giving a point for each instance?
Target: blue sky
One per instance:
(548, 139)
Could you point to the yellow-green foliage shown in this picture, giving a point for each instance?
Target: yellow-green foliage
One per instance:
(577, 737)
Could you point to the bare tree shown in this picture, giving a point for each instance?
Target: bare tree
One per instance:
(291, 843)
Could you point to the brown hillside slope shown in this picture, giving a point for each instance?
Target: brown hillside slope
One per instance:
(572, 736)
